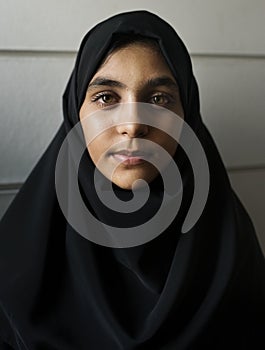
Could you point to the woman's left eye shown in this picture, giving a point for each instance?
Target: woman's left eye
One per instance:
(160, 99)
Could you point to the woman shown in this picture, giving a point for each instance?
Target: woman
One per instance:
(59, 290)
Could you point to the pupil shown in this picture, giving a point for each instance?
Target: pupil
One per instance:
(107, 98)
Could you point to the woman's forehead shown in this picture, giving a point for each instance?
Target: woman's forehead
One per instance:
(134, 62)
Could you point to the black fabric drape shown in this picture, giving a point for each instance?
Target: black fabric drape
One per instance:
(203, 289)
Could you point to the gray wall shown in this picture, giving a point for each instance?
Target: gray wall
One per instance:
(38, 42)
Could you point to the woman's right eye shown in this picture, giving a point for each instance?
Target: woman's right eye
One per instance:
(104, 99)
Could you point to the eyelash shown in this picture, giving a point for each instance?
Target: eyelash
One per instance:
(101, 95)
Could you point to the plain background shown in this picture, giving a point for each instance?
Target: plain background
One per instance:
(226, 39)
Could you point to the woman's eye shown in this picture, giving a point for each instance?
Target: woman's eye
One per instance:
(160, 99)
(107, 98)
(104, 99)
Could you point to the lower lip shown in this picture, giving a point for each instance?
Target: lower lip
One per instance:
(128, 160)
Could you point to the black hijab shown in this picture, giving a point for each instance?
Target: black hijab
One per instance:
(203, 289)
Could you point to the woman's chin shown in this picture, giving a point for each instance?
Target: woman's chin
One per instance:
(132, 182)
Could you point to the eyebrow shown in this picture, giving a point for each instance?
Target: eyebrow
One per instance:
(153, 83)
(101, 81)
(162, 81)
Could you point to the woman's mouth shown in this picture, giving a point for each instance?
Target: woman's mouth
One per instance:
(130, 157)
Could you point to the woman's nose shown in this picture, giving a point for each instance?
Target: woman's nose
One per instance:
(131, 126)
(132, 129)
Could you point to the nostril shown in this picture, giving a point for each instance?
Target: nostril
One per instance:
(142, 133)
(133, 130)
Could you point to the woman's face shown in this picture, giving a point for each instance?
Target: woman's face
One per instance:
(135, 73)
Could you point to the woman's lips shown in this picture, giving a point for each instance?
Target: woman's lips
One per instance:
(129, 158)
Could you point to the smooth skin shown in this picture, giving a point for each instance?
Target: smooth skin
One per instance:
(135, 73)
